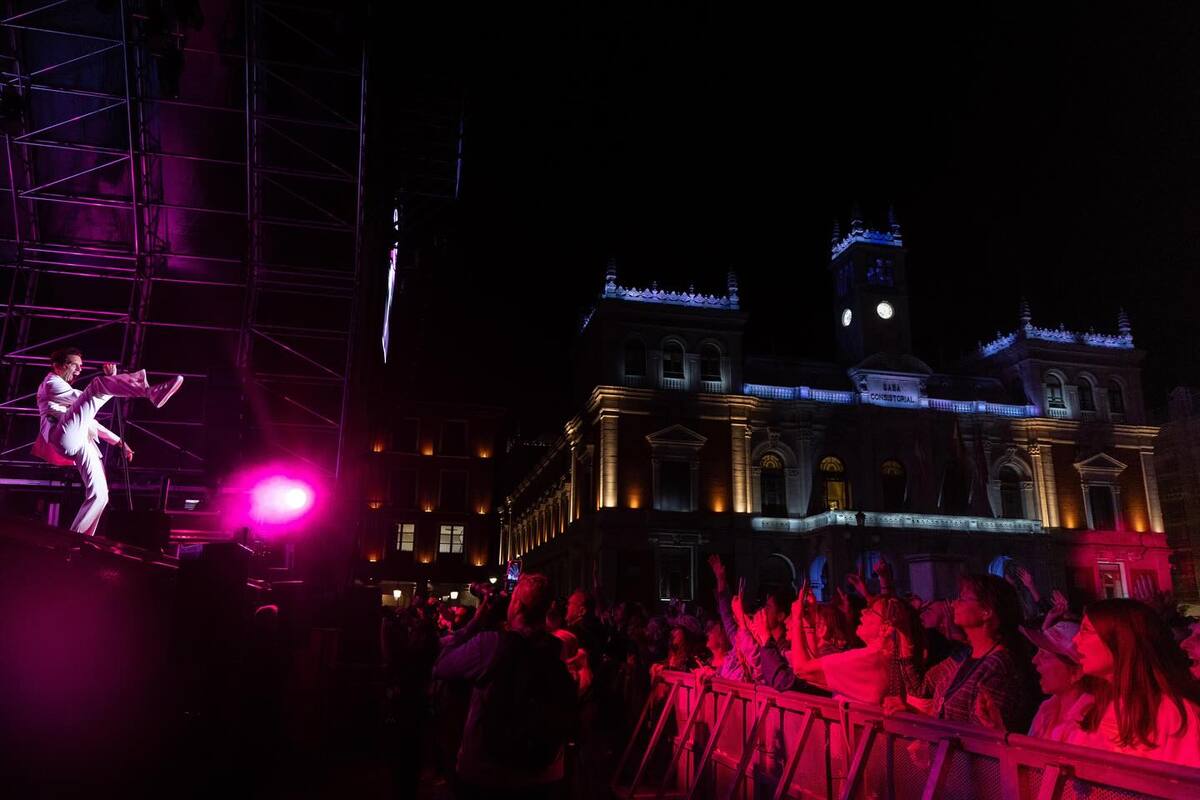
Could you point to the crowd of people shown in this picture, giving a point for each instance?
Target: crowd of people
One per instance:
(532, 696)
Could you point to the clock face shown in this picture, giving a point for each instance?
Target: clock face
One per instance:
(884, 310)
(847, 315)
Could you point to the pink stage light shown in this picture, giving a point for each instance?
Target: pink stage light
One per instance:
(279, 500)
(275, 500)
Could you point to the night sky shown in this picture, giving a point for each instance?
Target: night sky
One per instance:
(1030, 151)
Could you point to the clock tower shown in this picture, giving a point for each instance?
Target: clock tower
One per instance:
(870, 291)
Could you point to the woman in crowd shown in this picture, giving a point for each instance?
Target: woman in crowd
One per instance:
(683, 648)
(989, 673)
(1069, 691)
(864, 674)
(1147, 703)
(723, 662)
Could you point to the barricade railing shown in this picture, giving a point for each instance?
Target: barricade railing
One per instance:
(723, 739)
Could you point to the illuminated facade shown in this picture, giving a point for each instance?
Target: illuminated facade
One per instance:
(429, 486)
(1177, 456)
(1035, 452)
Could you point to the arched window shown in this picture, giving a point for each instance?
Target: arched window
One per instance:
(672, 363)
(1054, 392)
(894, 484)
(1012, 503)
(833, 476)
(710, 363)
(1087, 395)
(1116, 398)
(635, 358)
(772, 488)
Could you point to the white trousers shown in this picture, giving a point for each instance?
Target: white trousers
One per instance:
(73, 435)
(95, 489)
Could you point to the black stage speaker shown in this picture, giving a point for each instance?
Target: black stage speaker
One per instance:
(146, 529)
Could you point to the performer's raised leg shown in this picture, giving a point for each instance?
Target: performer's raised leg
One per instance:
(74, 427)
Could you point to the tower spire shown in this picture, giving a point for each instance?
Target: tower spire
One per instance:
(1123, 326)
(893, 224)
(836, 238)
(1026, 314)
(856, 221)
(610, 276)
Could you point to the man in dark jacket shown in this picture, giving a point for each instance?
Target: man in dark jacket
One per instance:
(509, 710)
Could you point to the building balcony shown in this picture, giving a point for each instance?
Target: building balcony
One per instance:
(674, 384)
(896, 519)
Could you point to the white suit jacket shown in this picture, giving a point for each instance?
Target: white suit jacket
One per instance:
(54, 398)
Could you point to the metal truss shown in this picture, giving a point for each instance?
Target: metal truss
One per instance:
(190, 221)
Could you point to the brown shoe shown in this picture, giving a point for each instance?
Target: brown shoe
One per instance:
(160, 394)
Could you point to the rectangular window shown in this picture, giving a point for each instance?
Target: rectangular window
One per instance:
(404, 488)
(450, 539)
(404, 437)
(1112, 580)
(675, 572)
(1104, 510)
(1116, 400)
(406, 537)
(675, 486)
(454, 492)
(454, 438)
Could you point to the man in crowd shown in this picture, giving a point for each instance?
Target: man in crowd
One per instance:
(522, 699)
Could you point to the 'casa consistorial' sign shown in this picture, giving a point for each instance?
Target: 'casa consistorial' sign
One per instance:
(894, 390)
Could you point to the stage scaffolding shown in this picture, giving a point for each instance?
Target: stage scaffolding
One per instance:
(185, 195)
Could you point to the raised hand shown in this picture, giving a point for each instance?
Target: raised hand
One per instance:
(1027, 581)
(857, 584)
(718, 570)
(739, 611)
(110, 368)
(843, 602)
(758, 626)
(1058, 609)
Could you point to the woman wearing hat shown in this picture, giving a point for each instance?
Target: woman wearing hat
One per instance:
(1061, 677)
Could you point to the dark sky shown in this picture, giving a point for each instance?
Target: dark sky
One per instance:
(1029, 150)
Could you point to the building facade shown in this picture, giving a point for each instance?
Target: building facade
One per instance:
(1035, 452)
(1178, 460)
(430, 520)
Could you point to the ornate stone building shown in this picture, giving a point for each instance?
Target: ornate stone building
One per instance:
(1034, 452)
(1178, 460)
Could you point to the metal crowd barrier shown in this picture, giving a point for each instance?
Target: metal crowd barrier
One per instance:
(723, 739)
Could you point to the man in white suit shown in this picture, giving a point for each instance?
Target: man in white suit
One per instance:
(69, 430)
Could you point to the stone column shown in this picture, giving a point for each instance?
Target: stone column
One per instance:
(608, 459)
(797, 500)
(695, 484)
(755, 490)
(1042, 458)
(1150, 481)
(804, 474)
(572, 509)
(739, 459)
